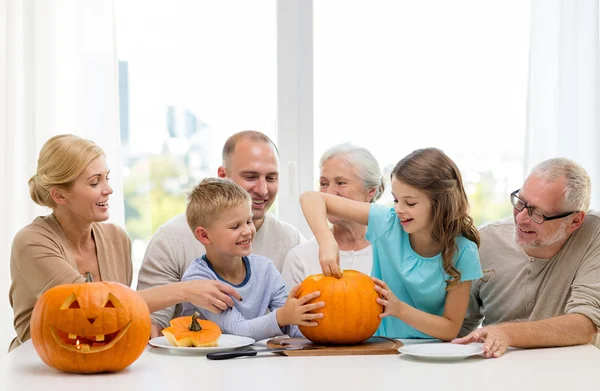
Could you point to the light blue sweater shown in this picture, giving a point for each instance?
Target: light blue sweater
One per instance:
(262, 290)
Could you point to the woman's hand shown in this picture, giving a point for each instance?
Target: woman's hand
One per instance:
(329, 258)
(392, 305)
(297, 312)
(214, 296)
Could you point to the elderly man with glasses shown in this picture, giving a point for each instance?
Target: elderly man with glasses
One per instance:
(541, 284)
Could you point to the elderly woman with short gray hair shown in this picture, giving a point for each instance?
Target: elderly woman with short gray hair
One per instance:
(347, 171)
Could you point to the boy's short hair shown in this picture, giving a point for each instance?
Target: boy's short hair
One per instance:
(210, 198)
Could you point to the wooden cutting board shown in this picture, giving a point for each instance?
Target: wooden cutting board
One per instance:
(372, 346)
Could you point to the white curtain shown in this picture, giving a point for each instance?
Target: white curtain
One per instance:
(58, 74)
(564, 86)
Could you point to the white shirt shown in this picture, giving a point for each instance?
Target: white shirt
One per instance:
(303, 261)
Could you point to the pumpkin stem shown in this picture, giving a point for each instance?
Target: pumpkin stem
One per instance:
(195, 326)
(88, 277)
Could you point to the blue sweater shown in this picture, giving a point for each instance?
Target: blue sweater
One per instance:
(262, 290)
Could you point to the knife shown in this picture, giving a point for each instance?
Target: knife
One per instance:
(249, 352)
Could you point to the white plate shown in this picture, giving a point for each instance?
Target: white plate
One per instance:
(442, 351)
(225, 342)
(418, 341)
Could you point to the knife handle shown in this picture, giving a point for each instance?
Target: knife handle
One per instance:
(231, 354)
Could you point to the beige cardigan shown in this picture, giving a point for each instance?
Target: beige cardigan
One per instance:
(41, 259)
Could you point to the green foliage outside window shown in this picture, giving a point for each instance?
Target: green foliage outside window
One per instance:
(154, 193)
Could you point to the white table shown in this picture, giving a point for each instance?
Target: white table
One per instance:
(566, 369)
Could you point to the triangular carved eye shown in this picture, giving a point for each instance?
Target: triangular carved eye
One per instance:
(112, 302)
(70, 303)
(74, 305)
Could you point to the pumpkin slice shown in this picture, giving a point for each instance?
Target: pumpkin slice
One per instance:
(188, 331)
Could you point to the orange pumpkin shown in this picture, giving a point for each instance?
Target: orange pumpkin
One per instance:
(190, 331)
(90, 327)
(351, 311)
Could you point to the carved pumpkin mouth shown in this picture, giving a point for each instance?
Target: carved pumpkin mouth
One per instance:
(88, 344)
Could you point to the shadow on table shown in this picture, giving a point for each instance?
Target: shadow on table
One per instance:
(41, 369)
(192, 352)
(444, 360)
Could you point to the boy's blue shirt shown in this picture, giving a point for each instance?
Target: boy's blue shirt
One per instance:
(262, 290)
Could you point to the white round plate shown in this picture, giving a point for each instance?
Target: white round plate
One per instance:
(442, 351)
(226, 342)
(417, 341)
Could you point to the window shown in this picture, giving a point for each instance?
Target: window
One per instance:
(395, 76)
(192, 73)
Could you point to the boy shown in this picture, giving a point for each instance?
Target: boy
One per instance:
(220, 215)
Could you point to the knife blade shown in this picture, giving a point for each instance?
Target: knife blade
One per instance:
(248, 352)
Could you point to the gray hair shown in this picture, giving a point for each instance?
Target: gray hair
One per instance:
(363, 162)
(578, 186)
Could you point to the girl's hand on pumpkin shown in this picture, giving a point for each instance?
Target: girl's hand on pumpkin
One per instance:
(296, 311)
(329, 258)
(392, 305)
(214, 296)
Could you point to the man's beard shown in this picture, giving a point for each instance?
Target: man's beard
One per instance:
(559, 235)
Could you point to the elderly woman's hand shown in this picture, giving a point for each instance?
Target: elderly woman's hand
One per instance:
(329, 257)
(214, 296)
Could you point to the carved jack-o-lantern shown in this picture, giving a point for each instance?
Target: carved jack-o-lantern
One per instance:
(91, 327)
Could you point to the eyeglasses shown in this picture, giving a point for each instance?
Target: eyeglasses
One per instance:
(535, 215)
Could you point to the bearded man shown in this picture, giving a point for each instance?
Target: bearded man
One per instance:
(541, 284)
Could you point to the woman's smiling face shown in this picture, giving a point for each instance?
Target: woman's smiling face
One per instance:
(88, 197)
(341, 179)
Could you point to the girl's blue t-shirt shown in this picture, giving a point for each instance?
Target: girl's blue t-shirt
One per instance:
(416, 280)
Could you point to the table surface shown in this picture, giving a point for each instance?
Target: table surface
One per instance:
(570, 368)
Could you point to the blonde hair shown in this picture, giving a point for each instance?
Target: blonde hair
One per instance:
(210, 198)
(433, 172)
(62, 159)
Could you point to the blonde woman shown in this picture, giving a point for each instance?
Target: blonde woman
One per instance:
(72, 179)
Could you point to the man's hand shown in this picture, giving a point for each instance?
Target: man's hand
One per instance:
(155, 330)
(495, 340)
(214, 296)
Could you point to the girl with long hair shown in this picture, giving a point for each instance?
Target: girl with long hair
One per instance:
(425, 248)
